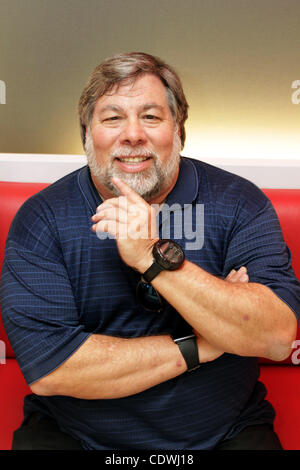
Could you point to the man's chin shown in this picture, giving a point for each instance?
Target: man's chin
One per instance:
(144, 189)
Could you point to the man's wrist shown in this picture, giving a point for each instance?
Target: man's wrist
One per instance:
(189, 350)
(146, 261)
(167, 256)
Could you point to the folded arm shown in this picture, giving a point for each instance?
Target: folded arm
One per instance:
(243, 319)
(247, 319)
(109, 367)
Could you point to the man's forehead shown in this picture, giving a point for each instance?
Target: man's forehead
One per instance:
(144, 86)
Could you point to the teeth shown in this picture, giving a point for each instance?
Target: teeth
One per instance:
(133, 159)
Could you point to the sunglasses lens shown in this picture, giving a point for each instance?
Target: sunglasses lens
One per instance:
(148, 297)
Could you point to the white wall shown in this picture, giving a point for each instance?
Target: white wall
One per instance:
(49, 168)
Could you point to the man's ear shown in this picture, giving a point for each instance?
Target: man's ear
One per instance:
(86, 131)
(83, 133)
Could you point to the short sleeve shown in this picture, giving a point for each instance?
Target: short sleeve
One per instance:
(256, 241)
(37, 302)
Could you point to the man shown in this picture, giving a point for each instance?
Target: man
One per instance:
(127, 340)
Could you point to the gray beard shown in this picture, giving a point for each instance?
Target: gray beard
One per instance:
(148, 183)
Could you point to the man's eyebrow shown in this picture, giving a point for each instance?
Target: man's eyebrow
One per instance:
(110, 107)
(117, 109)
(152, 106)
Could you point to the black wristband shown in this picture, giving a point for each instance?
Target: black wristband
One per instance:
(152, 272)
(189, 350)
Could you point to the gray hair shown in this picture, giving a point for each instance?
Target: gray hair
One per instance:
(127, 68)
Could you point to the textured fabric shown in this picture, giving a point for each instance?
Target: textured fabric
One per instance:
(260, 437)
(60, 284)
(41, 432)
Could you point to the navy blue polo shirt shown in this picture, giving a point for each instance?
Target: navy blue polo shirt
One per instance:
(61, 283)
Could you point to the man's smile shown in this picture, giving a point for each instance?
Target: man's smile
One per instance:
(133, 164)
(132, 159)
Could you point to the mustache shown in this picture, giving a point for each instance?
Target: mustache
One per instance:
(136, 152)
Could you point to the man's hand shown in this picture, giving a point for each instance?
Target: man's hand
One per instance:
(132, 221)
(238, 276)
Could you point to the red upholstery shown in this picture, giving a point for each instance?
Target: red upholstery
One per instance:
(282, 380)
(13, 385)
(287, 205)
(12, 196)
(283, 385)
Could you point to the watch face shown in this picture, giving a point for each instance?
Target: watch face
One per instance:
(171, 253)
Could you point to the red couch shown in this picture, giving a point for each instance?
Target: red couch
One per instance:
(281, 379)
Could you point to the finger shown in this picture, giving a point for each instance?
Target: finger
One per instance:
(107, 226)
(238, 276)
(229, 276)
(128, 214)
(127, 191)
(120, 201)
(117, 230)
(235, 277)
(244, 278)
(242, 270)
(111, 213)
(121, 231)
(110, 217)
(241, 275)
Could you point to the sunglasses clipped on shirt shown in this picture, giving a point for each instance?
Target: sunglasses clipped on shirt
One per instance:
(148, 297)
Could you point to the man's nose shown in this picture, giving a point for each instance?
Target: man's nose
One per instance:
(133, 133)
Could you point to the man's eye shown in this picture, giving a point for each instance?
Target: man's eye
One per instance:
(113, 118)
(151, 117)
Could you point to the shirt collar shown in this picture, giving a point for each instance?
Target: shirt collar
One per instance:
(88, 189)
(186, 188)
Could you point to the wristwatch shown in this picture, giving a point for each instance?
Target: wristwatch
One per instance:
(168, 255)
(189, 350)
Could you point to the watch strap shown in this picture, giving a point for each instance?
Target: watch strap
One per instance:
(189, 349)
(152, 272)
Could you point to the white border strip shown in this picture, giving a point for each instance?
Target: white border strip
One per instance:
(48, 168)
(35, 168)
